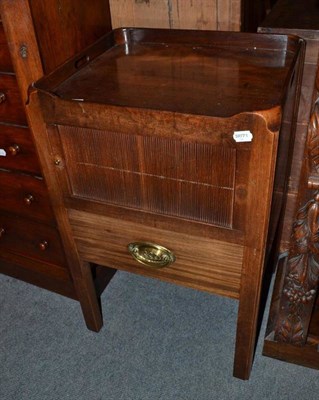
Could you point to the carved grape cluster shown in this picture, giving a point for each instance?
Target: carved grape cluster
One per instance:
(297, 293)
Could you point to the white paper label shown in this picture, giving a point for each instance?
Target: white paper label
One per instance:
(243, 136)
(3, 153)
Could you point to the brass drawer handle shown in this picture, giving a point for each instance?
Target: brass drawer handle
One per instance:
(43, 245)
(3, 97)
(152, 255)
(2, 232)
(14, 149)
(29, 199)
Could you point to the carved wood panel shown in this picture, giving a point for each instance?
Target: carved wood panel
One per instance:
(301, 280)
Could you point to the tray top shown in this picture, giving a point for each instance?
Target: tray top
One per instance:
(204, 73)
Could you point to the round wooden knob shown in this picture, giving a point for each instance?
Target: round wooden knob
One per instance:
(29, 199)
(14, 149)
(3, 97)
(2, 232)
(43, 245)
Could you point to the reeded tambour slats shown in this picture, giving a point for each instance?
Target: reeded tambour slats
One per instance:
(187, 180)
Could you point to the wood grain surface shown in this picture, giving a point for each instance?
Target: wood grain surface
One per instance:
(210, 265)
(181, 14)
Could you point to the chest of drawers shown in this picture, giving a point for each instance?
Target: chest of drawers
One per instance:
(30, 242)
(161, 150)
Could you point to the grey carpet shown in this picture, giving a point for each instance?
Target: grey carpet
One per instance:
(159, 342)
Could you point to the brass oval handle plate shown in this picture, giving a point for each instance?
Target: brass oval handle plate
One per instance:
(151, 254)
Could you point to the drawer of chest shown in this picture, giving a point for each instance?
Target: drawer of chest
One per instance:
(11, 107)
(30, 239)
(5, 58)
(198, 262)
(25, 195)
(17, 151)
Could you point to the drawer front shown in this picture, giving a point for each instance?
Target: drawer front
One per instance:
(17, 151)
(26, 196)
(11, 107)
(25, 268)
(30, 239)
(201, 263)
(5, 58)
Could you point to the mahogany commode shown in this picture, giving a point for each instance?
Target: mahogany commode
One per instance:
(164, 158)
